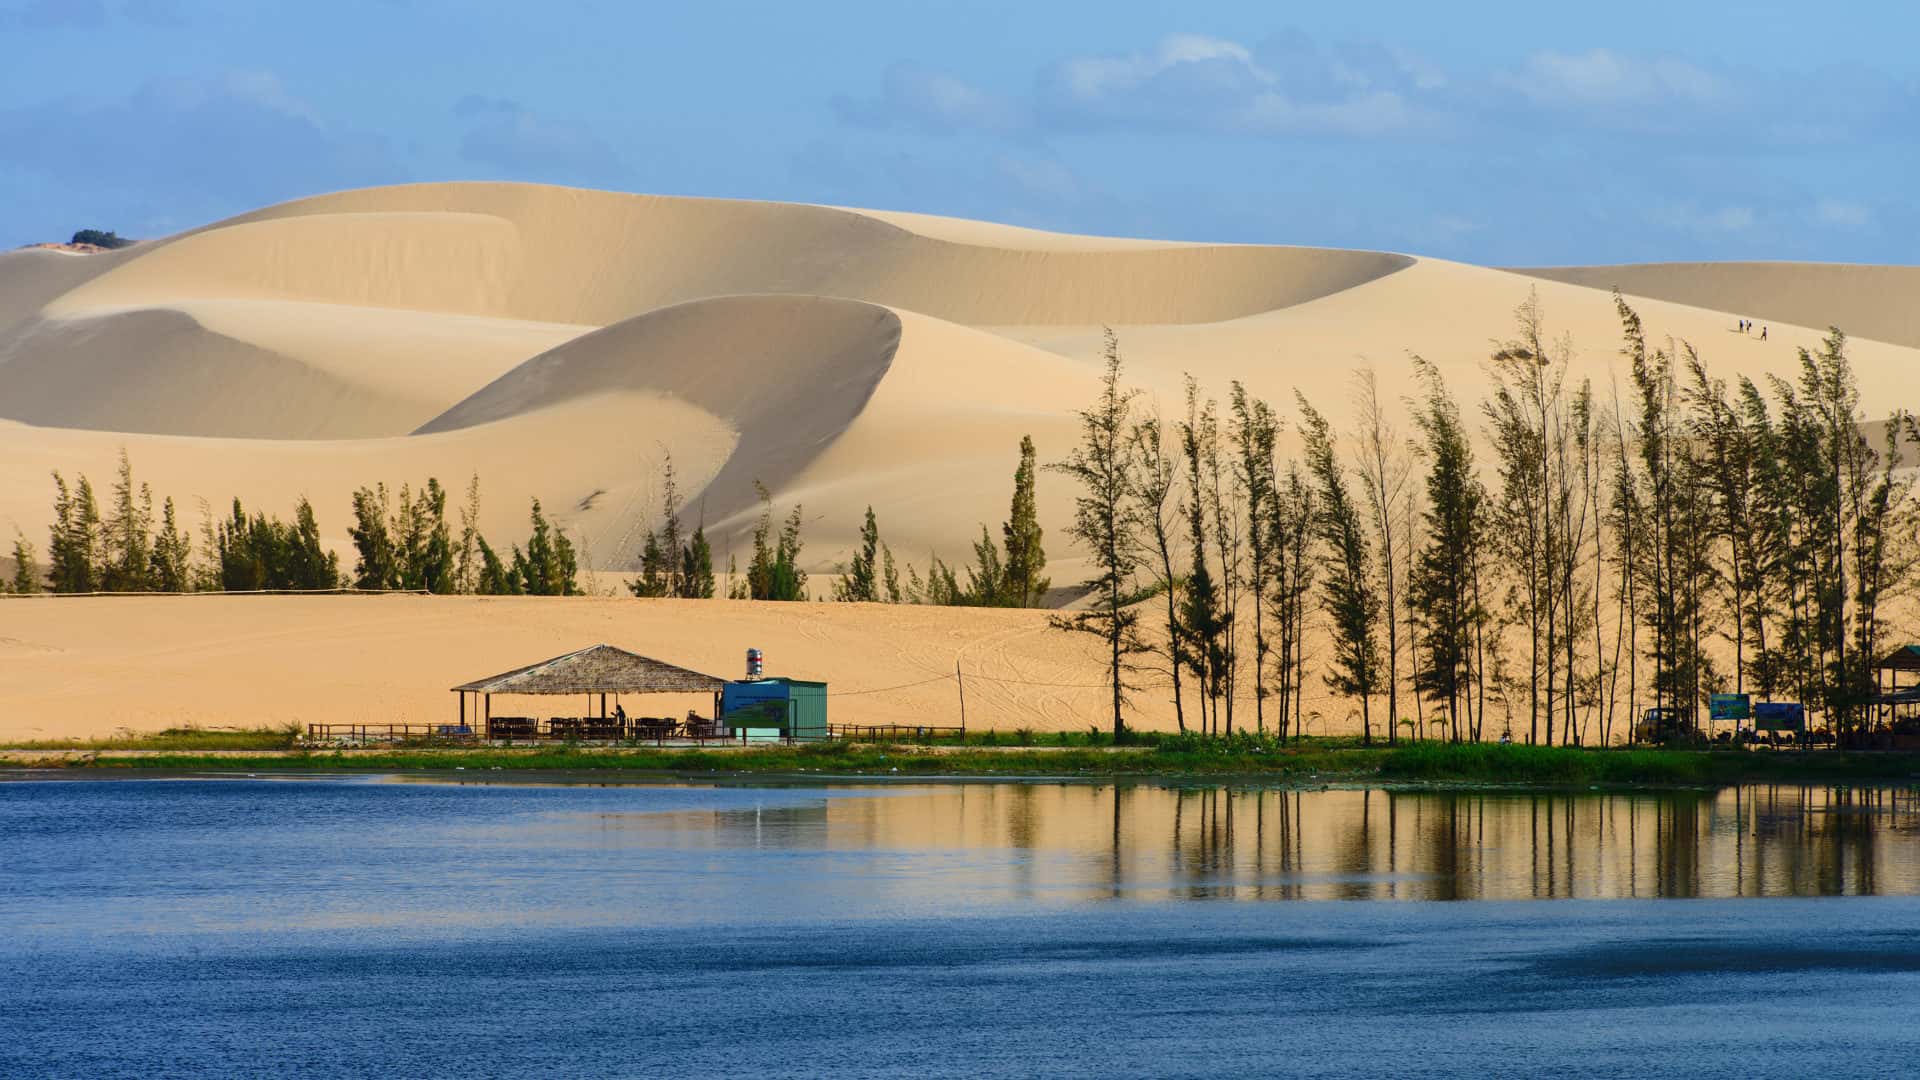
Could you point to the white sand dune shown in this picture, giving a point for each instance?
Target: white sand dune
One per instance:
(1877, 302)
(560, 342)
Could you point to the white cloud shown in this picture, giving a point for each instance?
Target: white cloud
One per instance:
(919, 98)
(1839, 214)
(1602, 77)
(1726, 219)
(1189, 82)
(523, 146)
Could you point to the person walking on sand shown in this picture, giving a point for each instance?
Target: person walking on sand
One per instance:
(1763, 333)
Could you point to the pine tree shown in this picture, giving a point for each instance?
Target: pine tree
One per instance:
(436, 569)
(696, 566)
(565, 577)
(127, 559)
(1384, 475)
(986, 578)
(172, 563)
(244, 553)
(207, 569)
(1202, 622)
(309, 566)
(494, 576)
(1256, 431)
(941, 587)
(774, 573)
(1440, 587)
(1103, 523)
(789, 581)
(1225, 502)
(890, 575)
(549, 566)
(1348, 595)
(859, 581)
(1023, 585)
(377, 567)
(1526, 413)
(654, 578)
(26, 571)
(1292, 545)
(73, 548)
(467, 563)
(1156, 513)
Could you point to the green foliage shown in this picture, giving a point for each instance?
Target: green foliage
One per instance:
(259, 552)
(1204, 620)
(696, 566)
(669, 566)
(126, 563)
(74, 545)
(1155, 513)
(494, 577)
(859, 581)
(548, 567)
(1256, 433)
(1021, 583)
(26, 571)
(941, 588)
(378, 565)
(410, 546)
(172, 562)
(1347, 593)
(1441, 585)
(774, 573)
(986, 578)
(1103, 521)
(100, 238)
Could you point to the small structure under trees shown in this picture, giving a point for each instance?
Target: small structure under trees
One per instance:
(592, 673)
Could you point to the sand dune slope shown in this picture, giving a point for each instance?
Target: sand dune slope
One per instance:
(561, 255)
(172, 376)
(1877, 302)
(560, 342)
(788, 373)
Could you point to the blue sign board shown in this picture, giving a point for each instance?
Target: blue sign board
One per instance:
(1780, 716)
(1730, 706)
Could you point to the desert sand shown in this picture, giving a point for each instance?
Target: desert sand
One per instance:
(560, 342)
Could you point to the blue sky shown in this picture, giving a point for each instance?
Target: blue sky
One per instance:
(1498, 132)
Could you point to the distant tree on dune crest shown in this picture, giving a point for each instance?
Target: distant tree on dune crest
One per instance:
(100, 238)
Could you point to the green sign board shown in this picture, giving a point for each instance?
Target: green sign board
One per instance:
(1730, 706)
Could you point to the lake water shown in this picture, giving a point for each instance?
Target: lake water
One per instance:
(383, 927)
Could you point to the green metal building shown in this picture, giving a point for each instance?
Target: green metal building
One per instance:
(775, 708)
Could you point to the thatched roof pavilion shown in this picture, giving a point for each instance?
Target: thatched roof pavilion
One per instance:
(595, 671)
(598, 669)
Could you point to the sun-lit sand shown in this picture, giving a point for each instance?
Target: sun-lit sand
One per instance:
(559, 342)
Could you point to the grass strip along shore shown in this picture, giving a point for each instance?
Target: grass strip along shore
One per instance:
(1008, 756)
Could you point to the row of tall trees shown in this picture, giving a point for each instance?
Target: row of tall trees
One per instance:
(401, 541)
(1006, 573)
(1611, 557)
(673, 562)
(405, 542)
(125, 549)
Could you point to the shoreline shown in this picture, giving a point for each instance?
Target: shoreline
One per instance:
(1413, 766)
